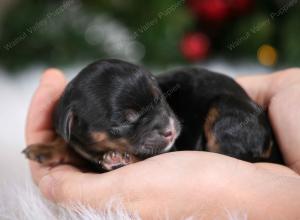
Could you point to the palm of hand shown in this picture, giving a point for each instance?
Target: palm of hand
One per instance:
(161, 183)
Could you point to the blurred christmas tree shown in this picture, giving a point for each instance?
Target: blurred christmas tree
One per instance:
(157, 32)
(265, 31)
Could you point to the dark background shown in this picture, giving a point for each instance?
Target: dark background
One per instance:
(156, 33)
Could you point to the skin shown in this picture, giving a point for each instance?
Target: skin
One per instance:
(182, 184)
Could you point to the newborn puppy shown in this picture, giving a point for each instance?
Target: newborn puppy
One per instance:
(114, 113)
(218, 116)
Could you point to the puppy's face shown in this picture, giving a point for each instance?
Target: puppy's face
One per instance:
(150, 129)
(143, 118)
(125, 110)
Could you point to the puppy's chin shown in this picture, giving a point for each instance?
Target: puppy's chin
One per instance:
(168, 147)
(159, 146)
(148, 151)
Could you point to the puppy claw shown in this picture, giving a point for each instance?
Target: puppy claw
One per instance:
(104, 157)
(127, 156)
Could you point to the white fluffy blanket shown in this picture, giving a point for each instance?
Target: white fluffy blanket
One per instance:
(22, 201)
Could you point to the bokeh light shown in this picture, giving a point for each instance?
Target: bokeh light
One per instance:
(267, 55)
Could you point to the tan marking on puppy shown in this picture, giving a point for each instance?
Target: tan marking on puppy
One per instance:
(212, 143)
(104, 143)
(267, 153)
(99, 136)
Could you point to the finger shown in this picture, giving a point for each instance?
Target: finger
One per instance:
(257, 87)
(65, 184)
(285, 117)
(39, 119)
(277, 169)
(53, 182)
(262, 88)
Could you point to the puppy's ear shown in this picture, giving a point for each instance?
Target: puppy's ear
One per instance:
(67, 125)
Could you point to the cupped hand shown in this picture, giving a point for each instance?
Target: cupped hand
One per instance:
(177, 185)
(279, 93)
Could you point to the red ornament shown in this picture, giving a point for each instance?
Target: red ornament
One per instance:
(210, 10)
(195, 46)
(242, 6)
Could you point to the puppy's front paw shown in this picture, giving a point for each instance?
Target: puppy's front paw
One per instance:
(44, 154)
(113, 160)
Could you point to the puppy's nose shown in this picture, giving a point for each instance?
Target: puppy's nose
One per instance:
(168, 134)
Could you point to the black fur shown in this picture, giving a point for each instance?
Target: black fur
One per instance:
(242, 129)
(125, 102)
(100, 98)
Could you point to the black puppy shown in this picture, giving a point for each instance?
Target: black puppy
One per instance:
(218, 116)
(112, 113)
(115, 113)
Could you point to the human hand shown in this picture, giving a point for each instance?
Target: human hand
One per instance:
(179, 184)
(280, 94)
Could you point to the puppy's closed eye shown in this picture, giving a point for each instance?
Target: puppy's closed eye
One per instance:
(131, 115)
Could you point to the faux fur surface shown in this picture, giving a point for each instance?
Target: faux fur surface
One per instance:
(22, 201)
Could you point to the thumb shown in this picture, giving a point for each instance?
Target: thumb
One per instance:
(67, 185)
(39, 118)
